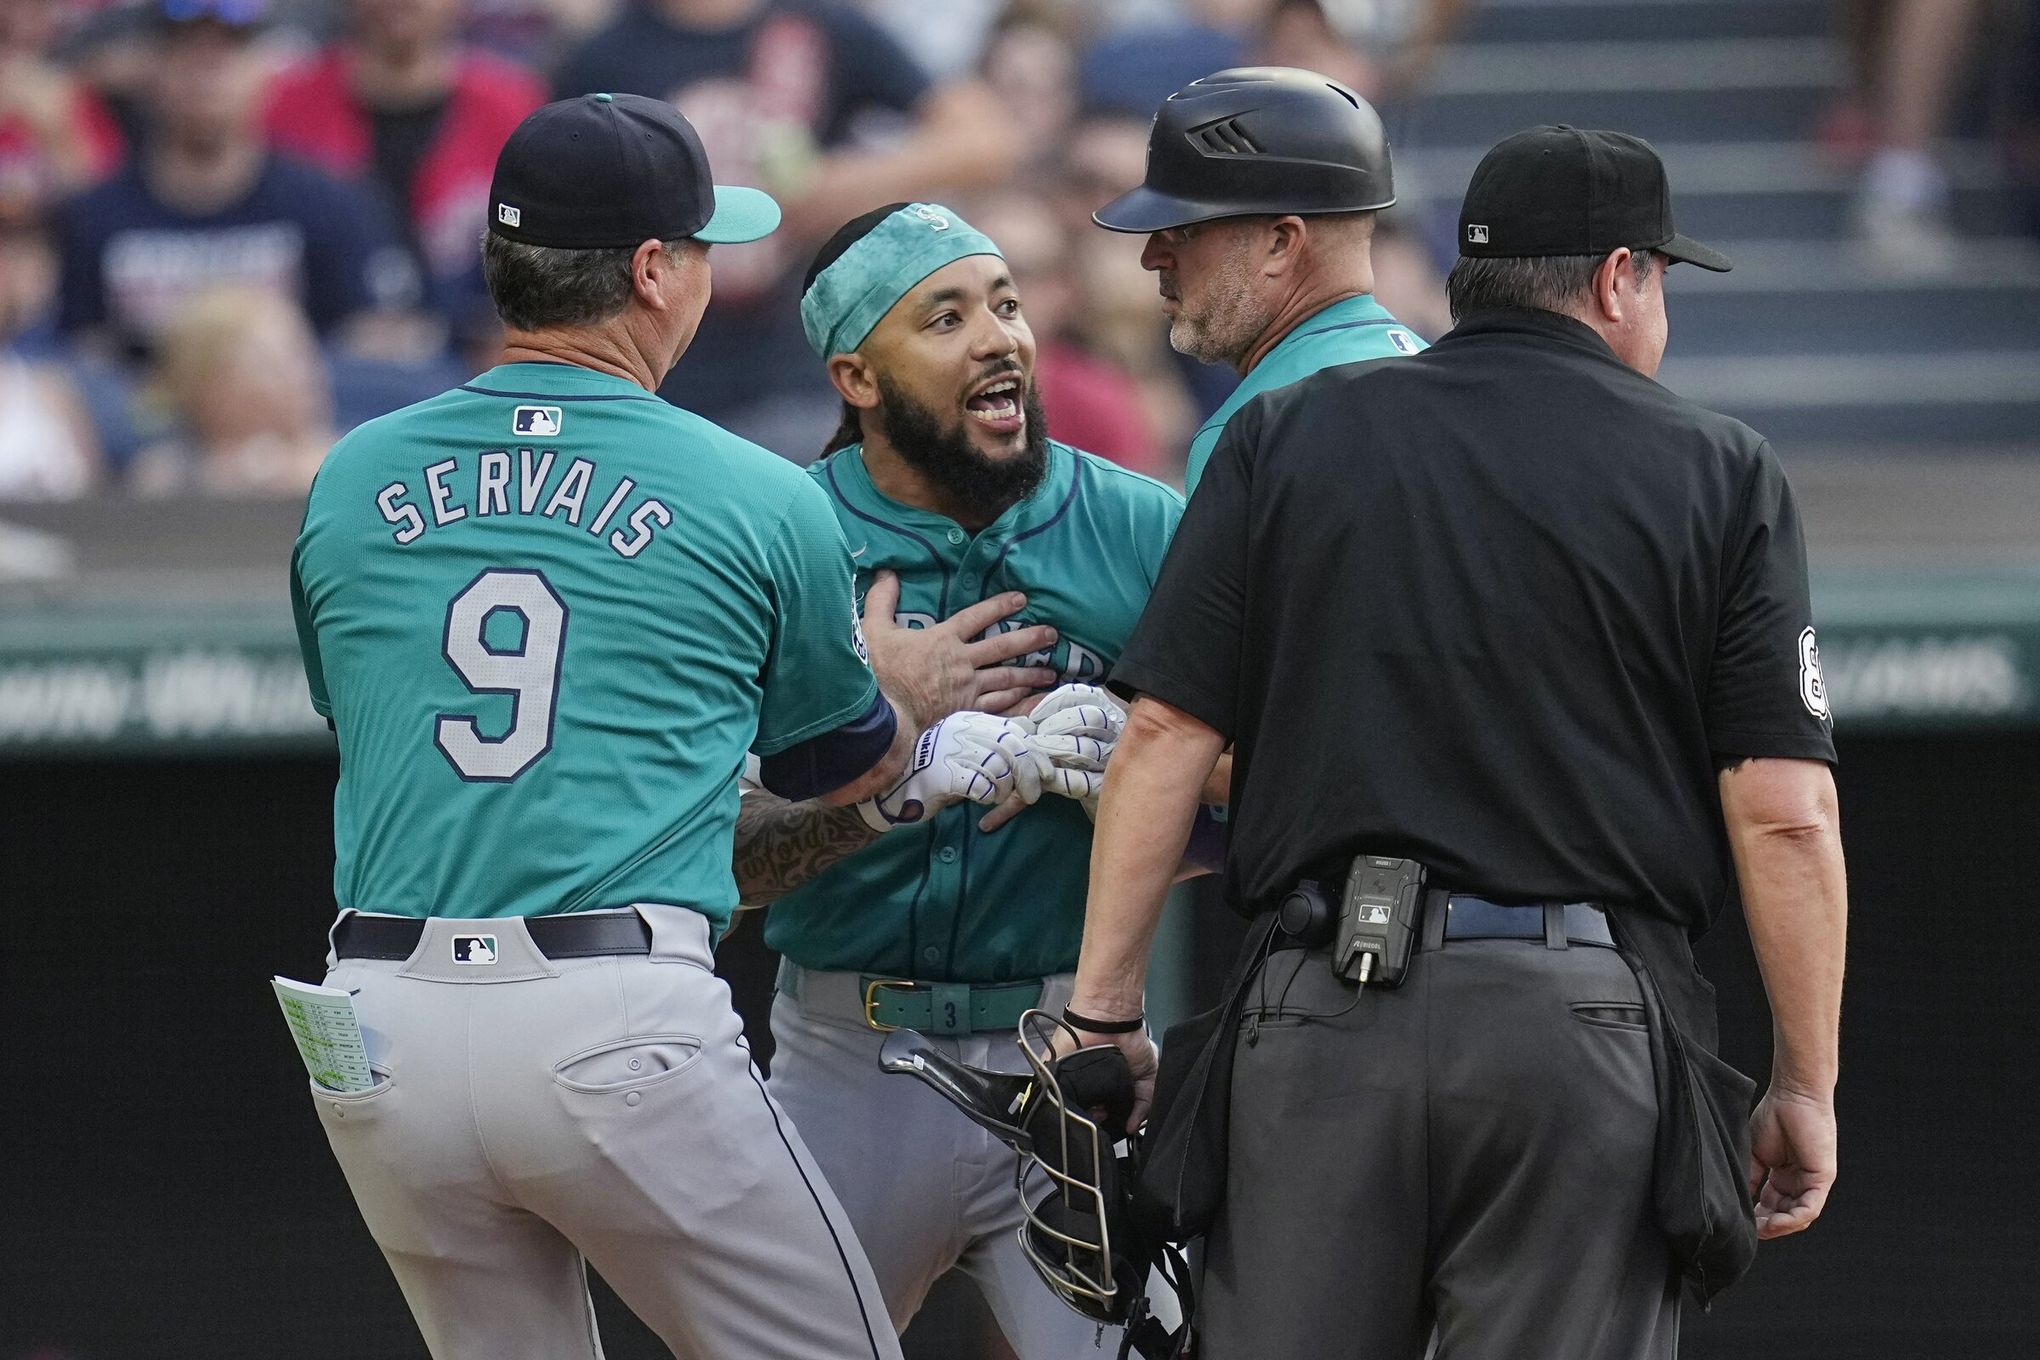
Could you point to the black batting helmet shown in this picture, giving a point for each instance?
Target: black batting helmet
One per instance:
(1257, 139)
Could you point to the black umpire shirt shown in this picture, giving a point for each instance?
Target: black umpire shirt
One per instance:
(1502, 607)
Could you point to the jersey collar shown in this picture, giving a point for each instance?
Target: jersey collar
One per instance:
(1527, 321)
(847, 472)
(537, 378)
(1353, 311)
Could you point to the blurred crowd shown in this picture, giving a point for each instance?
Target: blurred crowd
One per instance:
(1908, 62)
(229, 228)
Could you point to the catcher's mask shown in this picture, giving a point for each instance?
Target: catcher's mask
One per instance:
(1064, 1116)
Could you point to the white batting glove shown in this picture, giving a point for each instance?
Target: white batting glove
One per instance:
(967, 757)
(1076, 728)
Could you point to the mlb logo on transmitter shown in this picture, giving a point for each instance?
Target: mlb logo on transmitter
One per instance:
(475, 949)
(542, 421)
(1476, 234)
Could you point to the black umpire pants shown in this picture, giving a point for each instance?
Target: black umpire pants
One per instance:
(1466, 1157)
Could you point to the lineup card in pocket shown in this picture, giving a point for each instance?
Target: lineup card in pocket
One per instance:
(328, 1033)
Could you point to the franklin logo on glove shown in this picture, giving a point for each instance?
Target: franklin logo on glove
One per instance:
(967, 757)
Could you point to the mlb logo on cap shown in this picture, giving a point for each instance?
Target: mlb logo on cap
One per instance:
(542, 421)
(474, 949)
(1476, 234)
(508, 215)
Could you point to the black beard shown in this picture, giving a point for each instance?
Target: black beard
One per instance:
(978, 486)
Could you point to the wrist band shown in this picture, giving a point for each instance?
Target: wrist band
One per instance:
(874, 817)
(1090, 1026)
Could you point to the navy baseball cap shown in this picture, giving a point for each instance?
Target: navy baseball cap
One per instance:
(607, 171)
(1559, 190)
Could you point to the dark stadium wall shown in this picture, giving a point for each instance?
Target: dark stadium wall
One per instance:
(168, 1193)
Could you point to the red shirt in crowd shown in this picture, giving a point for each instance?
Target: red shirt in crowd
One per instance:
(312, 113)
(1095, 405)
(28, 179)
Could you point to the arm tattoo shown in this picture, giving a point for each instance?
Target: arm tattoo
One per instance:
(781, 845)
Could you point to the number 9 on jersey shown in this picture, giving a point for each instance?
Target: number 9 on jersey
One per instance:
(529, 673)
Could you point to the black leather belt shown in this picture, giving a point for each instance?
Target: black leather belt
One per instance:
(557, 937)
(1476, 918)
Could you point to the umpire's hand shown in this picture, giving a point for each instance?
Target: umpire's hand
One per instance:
(1142, 1059)
(1792, 1159)
(952, 666)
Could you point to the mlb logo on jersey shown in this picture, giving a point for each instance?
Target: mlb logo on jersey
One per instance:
(541, 421)
(474, 949)
(1404, 342)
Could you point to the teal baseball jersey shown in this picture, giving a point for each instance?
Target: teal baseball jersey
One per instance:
(547, 614)
(945, 901)
(1343, 333)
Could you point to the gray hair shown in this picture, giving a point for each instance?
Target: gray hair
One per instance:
(1545, 283)
(540, 287)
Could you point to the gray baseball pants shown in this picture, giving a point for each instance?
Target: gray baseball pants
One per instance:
(533, 1115)
(1462, 1162)
(926, 1189)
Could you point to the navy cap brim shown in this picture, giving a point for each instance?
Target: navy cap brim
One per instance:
(740, 215)
(1685, 248)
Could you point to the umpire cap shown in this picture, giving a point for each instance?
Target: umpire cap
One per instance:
(1257, 139)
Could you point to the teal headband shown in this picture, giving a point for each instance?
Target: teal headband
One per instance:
(847, 300)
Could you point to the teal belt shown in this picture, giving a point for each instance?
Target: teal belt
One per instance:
(946, 1007)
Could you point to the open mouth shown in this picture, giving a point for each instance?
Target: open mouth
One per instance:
(997, 406)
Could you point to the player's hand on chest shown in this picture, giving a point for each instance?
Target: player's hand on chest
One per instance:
(1083, 650)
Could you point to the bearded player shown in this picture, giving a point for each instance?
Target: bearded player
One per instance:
(918, 909)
